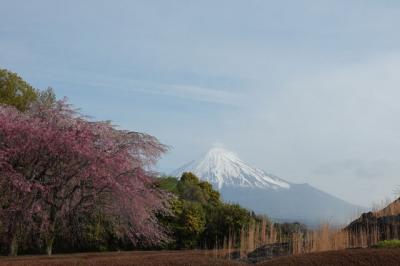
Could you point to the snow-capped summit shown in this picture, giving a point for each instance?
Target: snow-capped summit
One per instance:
(223, 168)
(267, 194)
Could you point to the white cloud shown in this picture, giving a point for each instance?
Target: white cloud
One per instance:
(189, 92)
(345, 116)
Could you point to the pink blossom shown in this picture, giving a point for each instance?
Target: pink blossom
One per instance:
(54, 162)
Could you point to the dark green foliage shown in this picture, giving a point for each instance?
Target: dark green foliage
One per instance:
(190, 224)
(191, 188)
(223, 222)
(200, 218)
(169, 184)
(17, 92)
(91, 232)
(394, 243)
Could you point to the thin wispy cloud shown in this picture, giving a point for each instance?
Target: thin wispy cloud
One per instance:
(199, 94)
(185, 92)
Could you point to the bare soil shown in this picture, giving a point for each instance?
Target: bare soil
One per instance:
(139, 258)
(344, 257)
(370, 257)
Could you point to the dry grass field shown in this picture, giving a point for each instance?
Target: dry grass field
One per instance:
(373, 257)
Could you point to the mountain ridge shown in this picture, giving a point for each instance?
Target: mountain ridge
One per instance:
(265, 193)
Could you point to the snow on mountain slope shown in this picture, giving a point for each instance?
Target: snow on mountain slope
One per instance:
(223, 168)
(267, 194)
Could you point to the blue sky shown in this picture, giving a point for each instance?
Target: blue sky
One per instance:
(307, 90)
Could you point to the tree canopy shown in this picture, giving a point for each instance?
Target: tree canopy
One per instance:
(17, 92)
(56, 166)
(201, 219)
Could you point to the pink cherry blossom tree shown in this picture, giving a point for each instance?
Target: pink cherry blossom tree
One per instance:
(55, 163)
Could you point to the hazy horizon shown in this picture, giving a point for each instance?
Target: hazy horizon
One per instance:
(306, 90)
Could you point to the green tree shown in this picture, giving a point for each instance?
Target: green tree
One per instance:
(168, 183)
(191, 188)
(209, 194)
(224, 221)
(193, 219)
(15, 91)
(200, 217)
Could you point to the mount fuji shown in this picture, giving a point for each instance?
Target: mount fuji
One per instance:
(265, 193)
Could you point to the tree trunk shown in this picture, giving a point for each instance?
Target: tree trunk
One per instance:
(49, 246)
(51, 233)
(14, 246)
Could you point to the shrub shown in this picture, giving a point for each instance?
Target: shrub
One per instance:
(394, 243)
